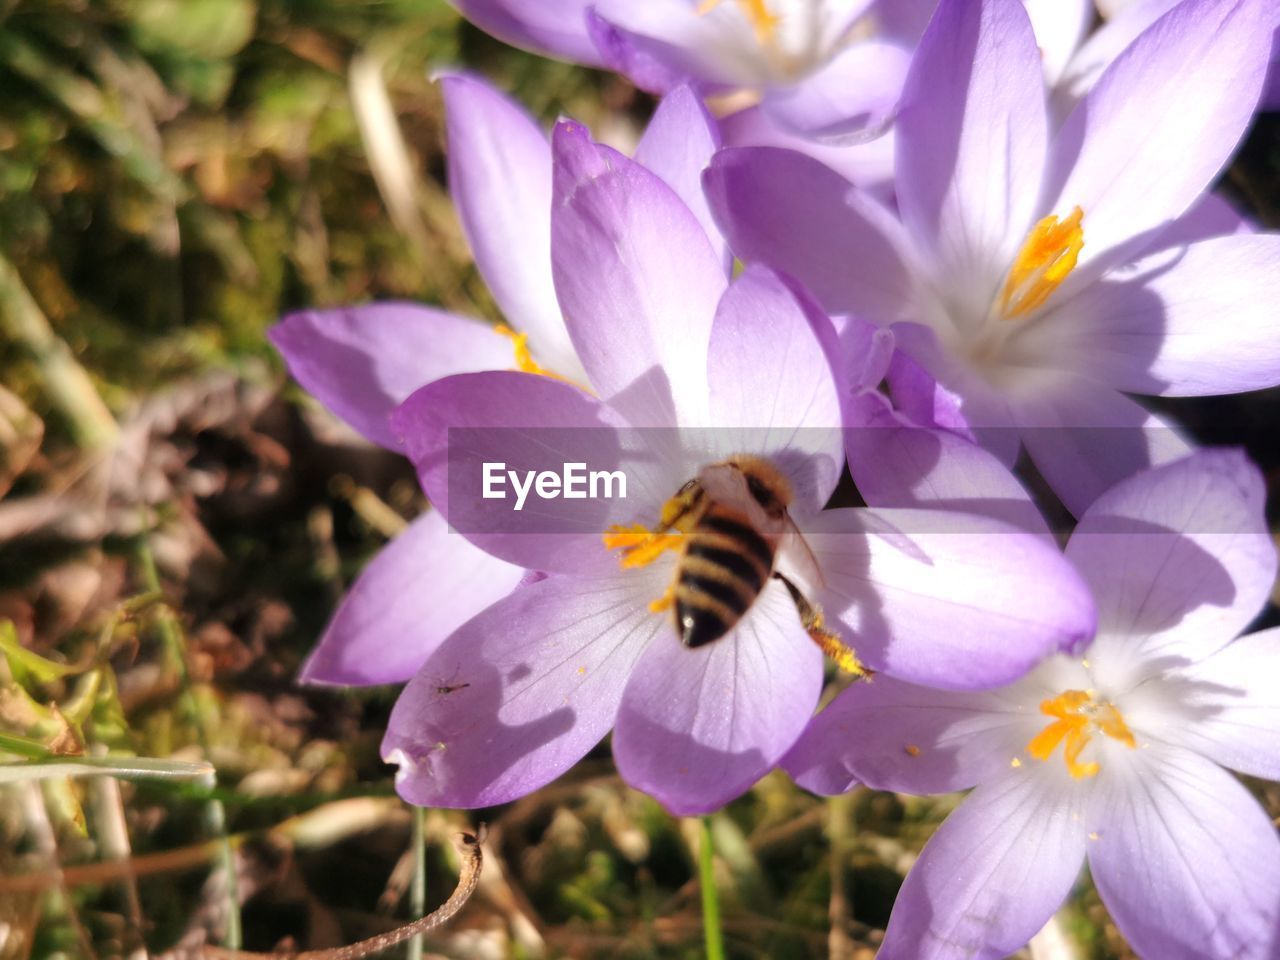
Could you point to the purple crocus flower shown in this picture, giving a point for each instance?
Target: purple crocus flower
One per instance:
(361, 362)
(1035, 277)
(822, 68)
(1115, 754)
(685, 370)
(820, 76)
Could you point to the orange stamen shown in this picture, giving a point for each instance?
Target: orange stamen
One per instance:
(1077, 716)
(639, 545)
(1046, 259)
(524, 356)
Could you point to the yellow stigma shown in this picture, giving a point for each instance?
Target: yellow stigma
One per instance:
(1045, 260)
(763, 21)
(1077, 716)
(524, 357)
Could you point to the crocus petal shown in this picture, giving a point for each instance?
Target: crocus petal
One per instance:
(638, 61)
(903, 21)
(772, 389)
(868, 165)
(935, 387)
(500, 180)
(1134, 162)
(1235, 702)
(697, 727)
(896, 463)
(1085, 437)
(716, 48)
(520, 693)
(362, 362)
(638, 279)
(1271, 92)
(793, 213)
(1059, 27)
(993, 874)
(853, 97)
(1211, 217)
(896, 736)
(965, 193)
(918, 395)
(677, 145)
(1187, 321)
(1101, 48)
(1185, 859)
(556, 28)
(523, 423)
(868, 352)
(421, 587)
(947, 599)
(1178, 558)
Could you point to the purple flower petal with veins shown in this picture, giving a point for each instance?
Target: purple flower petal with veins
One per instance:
(1111, 755)
(1041, 270)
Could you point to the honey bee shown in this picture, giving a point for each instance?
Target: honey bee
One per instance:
(734, 519)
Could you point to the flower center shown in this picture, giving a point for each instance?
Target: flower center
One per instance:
(1078, 715)
(1046, 259)
(641, 545)
(524, 356)
(763, 21)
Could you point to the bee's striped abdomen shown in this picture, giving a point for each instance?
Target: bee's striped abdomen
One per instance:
(725, 565)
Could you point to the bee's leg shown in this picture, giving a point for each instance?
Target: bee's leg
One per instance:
(640, 545)
(831, 644)
(680, 507)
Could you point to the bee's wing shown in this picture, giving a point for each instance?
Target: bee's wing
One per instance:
(799, 554)
(726, 485)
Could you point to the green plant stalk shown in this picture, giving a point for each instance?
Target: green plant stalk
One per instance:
(214, 812)
(710, 896)
(418, 887)
(66, 383)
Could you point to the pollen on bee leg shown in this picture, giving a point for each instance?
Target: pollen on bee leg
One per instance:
(1046, 259)
(815, 625)
(835, 648)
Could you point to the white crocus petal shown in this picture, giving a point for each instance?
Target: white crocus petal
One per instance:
(1185, 859)
(729, 44)
(1228, 705)
(1134, 162)
(1179, 561)
(1059, 26)
(994, 873)
(1101, 48)
(810, 32)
